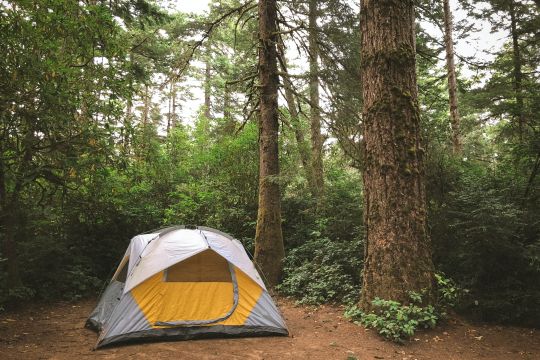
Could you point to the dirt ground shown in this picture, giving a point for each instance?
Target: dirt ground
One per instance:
(56, 332)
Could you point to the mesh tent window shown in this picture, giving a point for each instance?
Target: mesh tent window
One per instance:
(207, 266)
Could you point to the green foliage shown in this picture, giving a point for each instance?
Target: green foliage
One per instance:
(398, 322)
(322, 271)
(486, 237)
(448, 292)
(394, 321)
(16, 295)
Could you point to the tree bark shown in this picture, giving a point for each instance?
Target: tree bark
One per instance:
(269, 249)
(315, 113)
(518, 74)
(397, 256)
(452, 83)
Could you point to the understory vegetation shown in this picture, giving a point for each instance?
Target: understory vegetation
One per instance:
(398, 322)
(90, 157)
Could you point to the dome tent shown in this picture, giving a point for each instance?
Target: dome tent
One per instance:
(185, 283)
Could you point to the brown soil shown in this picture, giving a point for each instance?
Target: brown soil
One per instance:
(56, 332)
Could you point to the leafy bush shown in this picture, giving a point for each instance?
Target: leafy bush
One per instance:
(448, 292)
(394, 321)
(398, 322)
(16, 295)
(322, 270)
(486, 237)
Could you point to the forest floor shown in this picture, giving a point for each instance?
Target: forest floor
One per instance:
(55, 331)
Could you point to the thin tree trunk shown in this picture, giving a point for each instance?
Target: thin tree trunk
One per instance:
(146, 107)
(171, 105)
(315, 113)
(127, 126)
(269, 251)
(145, 120)
(452, 83)
(397, 256)
(303, 146)
(174, 120)
(227, 117)
(536, 167)
(227, 102)
(518, 74)
(207, 89)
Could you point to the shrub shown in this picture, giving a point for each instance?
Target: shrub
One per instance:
(394, 321)
(486, 237)
(322, 270)
(398, 322)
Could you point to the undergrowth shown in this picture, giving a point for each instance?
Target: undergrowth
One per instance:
(398, 322)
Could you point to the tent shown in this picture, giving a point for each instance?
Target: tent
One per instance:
(185, 283)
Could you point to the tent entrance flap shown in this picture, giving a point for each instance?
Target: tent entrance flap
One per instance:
(200, 290)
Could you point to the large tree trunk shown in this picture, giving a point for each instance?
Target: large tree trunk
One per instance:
(518, 74)
(269, 250)
(397, 255)
(315, 112)
(452, 83)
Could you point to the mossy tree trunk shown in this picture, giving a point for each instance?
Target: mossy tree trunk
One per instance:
(397, 255)
(269, 249)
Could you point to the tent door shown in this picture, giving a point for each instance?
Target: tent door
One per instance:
(208, 321)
